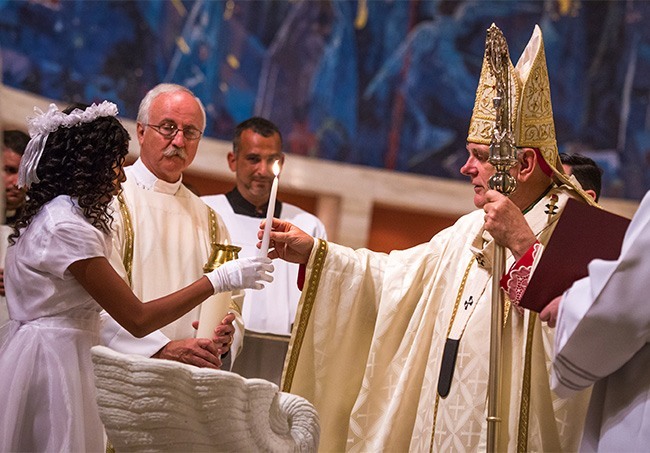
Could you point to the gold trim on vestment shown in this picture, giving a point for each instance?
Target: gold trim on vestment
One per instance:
(127, 259)
(451, 323)
(507, 305)
(213, 256)
(524, 409)
(129, 239)
(220, 253)
(305, 313)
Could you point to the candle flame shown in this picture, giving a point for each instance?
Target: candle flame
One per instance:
(276, 168)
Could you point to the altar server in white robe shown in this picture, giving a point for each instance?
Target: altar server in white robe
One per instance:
(164, 232)
(603, 331)
(367, 345)
(269, 313)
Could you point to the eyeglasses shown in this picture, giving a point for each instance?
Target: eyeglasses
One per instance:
(169, 130)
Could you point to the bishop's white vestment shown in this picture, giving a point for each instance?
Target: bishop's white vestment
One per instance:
(602, 337)
(163, 232)
(369, 336)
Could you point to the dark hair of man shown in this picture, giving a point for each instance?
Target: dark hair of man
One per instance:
(586, 171)
(15, 140)
(80, 162)
(259, 125)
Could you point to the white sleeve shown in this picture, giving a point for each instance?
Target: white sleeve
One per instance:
(604, 319)
(68, 242)
(119, 339)
(319, 230)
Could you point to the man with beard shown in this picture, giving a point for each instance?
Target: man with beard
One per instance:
(165, 233)
(269, 313)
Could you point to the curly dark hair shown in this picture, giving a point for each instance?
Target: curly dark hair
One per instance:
(80, 162)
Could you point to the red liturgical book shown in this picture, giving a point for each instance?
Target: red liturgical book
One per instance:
(582, 234)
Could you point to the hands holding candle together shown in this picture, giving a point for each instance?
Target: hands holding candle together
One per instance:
(295, 244)
(264, 249)
(290, 243)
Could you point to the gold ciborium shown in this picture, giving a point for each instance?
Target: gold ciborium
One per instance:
(220, 254)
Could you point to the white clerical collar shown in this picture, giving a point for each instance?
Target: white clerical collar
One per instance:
(147, 180)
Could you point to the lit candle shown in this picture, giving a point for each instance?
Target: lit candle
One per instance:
(266, 238)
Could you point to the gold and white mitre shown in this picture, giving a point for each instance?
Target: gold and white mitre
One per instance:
(532, 118)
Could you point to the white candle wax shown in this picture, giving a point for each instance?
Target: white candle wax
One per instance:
(266, 238)
(213, 310)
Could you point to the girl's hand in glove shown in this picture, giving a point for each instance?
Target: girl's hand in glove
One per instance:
(241, 273)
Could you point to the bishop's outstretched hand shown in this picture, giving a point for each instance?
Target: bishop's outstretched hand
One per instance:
(288, 242)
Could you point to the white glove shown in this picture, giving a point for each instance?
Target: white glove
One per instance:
(241, 273)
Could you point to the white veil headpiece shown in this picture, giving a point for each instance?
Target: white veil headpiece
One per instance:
(44, 123)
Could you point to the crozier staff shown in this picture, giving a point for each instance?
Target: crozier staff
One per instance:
(385, 318)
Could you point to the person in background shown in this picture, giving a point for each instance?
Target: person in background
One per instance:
(14, 143)
(603, 338)
(268, 314)
(58, 279)
(585, 170)
(164, 233)
(393, 349)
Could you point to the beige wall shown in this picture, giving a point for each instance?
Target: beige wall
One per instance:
(359, 205)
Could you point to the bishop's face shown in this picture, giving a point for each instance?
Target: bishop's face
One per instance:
(168, 157)
(479, 171)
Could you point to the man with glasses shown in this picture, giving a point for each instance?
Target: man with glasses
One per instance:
(164, 232)
(269, 313)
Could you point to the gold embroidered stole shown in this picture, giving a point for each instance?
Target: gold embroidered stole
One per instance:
(129, 236)
(305, 309)
(541, 218)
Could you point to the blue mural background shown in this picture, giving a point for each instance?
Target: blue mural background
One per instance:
(383, 83)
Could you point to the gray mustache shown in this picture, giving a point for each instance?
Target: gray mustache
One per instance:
(173, 151)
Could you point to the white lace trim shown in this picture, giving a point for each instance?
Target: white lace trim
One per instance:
(44, 123)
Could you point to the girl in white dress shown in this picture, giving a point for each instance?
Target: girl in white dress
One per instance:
(58, 278)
